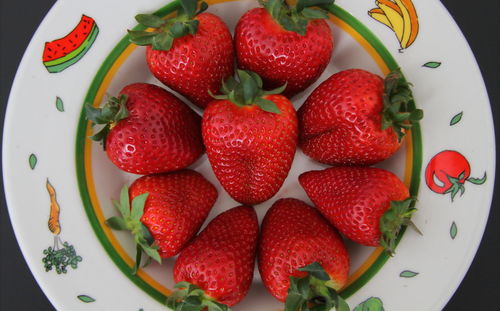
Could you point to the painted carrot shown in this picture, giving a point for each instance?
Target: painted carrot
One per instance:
(54, 225)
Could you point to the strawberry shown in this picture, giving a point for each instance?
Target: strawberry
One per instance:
(191, 53)
(251, 138)
(219, 261)
(298, 248)
(366, 204)
(148, 130)
(356, 118)
(167, 211)
(285, 44)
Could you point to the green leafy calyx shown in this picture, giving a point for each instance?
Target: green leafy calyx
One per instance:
(109, 115)
(296, 18)
(315, 291)
(399, 110)
(398, 215)
(190, 297)
(165, 31)
(131, 220)
(248, 91)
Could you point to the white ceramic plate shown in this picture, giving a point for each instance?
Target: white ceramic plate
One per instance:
(53, 149)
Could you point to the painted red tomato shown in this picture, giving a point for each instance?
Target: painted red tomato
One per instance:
(447, 172)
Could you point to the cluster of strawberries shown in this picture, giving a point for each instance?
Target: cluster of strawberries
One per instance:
(352, 120)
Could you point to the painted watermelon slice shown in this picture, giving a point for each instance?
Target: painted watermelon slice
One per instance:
(64, 52)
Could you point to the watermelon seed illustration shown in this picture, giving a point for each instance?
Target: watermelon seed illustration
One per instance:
(85, 298)
(408, 274)
(371, 304)
(457, 118)
(453, 231)
(59, 104)
(61, 53)
(432, 65)
(32, 160)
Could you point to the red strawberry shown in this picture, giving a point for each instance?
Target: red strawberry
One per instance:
(191, 53)
(220, 261)
(366, 204)
(167, 211)
(296, 239)
(148, 130)
(284, 44)
(356, 118)
(251, 137)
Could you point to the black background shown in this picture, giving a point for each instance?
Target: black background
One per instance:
(478, 20)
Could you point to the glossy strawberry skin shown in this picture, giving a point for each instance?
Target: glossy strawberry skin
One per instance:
(196, 63)
(340, 122)
(161, 133)
(177, 205)
(250, 150)
(221, 259)
(294, 235)
(354, 199)
(280, 56)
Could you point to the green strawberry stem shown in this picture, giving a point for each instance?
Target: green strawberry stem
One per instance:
(131, 220)
(248, 91)
(165, 31)
(398, 102)
(109, 115)
(190, 297)
(398, 215)
(315, 291)
(296, 18)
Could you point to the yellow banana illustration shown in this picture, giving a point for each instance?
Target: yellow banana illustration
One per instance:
(400, 16)
(379, 15)
(54, 225)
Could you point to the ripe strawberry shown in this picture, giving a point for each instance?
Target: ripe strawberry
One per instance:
(285, 44)
(356, 118)
(251, 138)
(167, 211)
(219, 261)
(191, 53)
(366, 204)
(296, 239)
(148, 130)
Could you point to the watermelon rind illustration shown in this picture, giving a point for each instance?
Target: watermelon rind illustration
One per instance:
(61, 53)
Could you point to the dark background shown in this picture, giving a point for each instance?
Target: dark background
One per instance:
(480, 23)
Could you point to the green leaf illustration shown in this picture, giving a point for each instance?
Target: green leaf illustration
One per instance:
(371, 304)
(85, 298)
(432, 65)
(408, 274)
(32, 161)
(456, 118)
(453, 230)
(59, 104)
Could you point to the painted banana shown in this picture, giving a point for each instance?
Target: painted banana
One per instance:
(400, 16)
